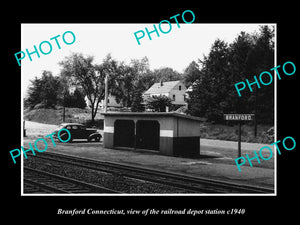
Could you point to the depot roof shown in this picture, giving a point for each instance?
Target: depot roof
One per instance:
(154, 114)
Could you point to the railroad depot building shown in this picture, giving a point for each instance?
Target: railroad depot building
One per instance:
(168, 133)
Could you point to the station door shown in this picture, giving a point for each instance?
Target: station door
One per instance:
(124, 133)
(147, 134)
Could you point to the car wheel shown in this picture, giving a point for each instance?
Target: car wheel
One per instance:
(97, 139)
(64, 136)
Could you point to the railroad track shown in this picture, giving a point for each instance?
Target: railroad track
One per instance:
(37, 181)
(190, 183)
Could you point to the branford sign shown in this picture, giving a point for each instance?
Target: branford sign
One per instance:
(239, 117)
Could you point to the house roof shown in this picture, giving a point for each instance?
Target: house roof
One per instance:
(158, 89)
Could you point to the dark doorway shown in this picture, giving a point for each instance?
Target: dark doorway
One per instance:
(124, 133)
(147, 134)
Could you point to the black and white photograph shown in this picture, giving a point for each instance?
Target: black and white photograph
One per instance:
(126, 111)
(103, 114)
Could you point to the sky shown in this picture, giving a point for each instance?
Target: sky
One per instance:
(176, 49)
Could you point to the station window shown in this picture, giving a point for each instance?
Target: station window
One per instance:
(174, 97)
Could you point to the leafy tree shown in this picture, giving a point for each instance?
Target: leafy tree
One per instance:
(213, 92)
(137, 101)
(43, 91)
(158, 103)
(240, 69)
(80, 71)
(75, 100)
(124, 84)
(144, 77)
(141, 67)
(33, 92)
(130, 83)
(251, 55)
(166, 74)
(261, 58)
(207, 97)
(191, 73)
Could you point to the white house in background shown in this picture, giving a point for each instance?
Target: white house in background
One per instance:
(175, 90)
(111, 102)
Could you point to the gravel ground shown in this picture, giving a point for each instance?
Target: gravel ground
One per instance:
(113, 181)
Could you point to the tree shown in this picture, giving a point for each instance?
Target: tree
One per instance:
(80, 71)
(261, 58)
(158, 103)
(251, 55)
(191, 73)
(144, 77)
(213, 94)
(43, 91)
(208, 96)
(166, 74)
(137, 100)
(75, 99)
(131, 81)
(137, 95)
(240, 69)
(124, 84)
(33, 92)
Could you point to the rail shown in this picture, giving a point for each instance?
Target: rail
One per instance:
(37, 181)
(187, 182)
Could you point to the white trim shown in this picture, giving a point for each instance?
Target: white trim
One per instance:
(163, 133)
(166, 133)
(108, 129)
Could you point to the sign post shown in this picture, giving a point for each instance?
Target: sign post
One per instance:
(239, 118)
(240, 140)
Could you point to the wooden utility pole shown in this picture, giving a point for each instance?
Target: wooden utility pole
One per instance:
(24, 130)
(106, 93)
(64, 108)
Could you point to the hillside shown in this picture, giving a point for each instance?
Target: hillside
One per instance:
(55, 116)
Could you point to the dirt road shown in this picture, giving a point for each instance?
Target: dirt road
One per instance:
(34, 129)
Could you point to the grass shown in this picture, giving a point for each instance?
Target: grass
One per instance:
(208, 130)
(55, 116)
(230, 133)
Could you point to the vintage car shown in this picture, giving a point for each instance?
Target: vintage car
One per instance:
(78, 131)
